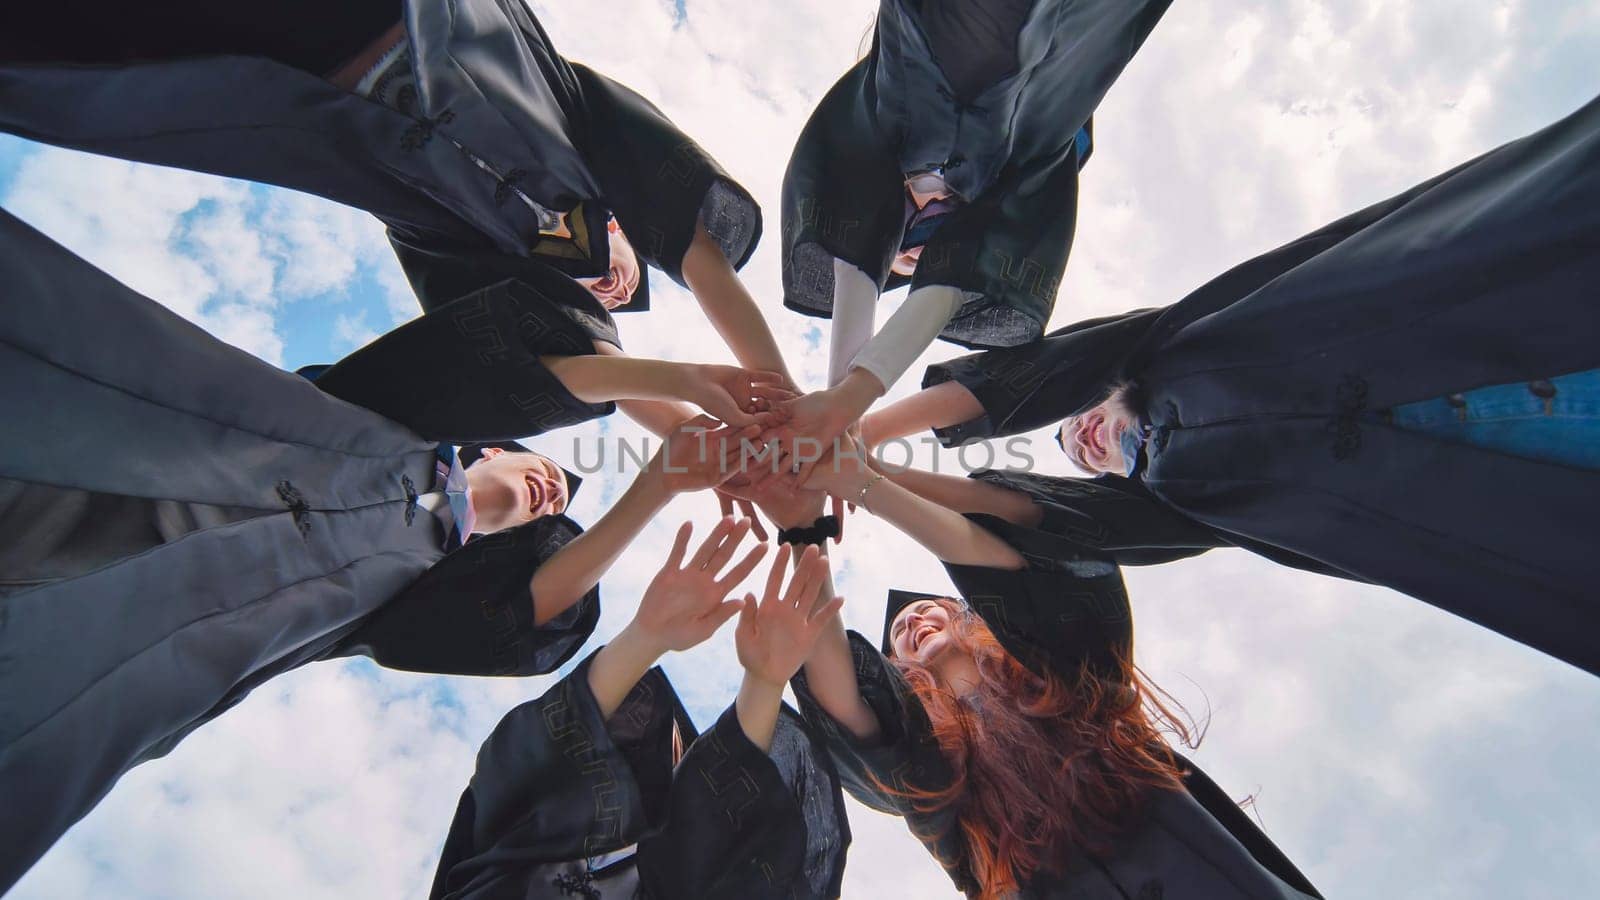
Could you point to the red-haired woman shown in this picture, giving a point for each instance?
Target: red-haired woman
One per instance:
(1010, 727)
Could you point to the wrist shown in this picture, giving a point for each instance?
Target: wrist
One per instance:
(639, 644)
(761, 690)
(858, 390)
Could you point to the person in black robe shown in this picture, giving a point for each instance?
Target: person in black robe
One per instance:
(1403, 397)
(1148, 821)
(752, 810)
(946, 159)
(486, 153)
(185, 521)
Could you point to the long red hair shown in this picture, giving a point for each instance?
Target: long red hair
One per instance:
(1042, 765)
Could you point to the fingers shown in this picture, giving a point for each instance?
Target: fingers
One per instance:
(729, 545)
(725, 503)
(756, 527)
(725, 610)
(747, 616)
(772, 393)
(828, 610)
(775, 577)
(680, 545)
(762, 376)
(741, 571)
(712, 542)
(807, 580)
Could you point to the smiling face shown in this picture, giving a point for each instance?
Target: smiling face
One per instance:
(510, 489)
(921, 632)
(1093, 438)
(616, 287)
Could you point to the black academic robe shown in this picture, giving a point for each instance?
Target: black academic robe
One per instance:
(565, 803)
(1012, 153)
(1266, 388)
(1067, 607)
(196, 521)
(491, 89)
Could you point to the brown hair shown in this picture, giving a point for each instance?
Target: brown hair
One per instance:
(1042, 765)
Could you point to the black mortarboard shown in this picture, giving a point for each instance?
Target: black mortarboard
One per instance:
(471, 453)
(899, 600)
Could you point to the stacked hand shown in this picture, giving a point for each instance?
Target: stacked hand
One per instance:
(814, 423)
(733, 395)
(698, 454)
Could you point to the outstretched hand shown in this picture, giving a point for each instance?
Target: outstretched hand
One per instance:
(774, 638)
(687, 601)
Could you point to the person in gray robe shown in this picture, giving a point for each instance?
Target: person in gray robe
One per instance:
(185, 521)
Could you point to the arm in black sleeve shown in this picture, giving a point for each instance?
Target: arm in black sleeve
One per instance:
(470, 614)
(1110, 515)
(472, 370)
(533, 796)
(658, 182)
(1037, 384)
(884, 772)
(743, 823)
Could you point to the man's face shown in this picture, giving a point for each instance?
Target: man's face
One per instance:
(1093, 439)
(510, 489)
(616, 287)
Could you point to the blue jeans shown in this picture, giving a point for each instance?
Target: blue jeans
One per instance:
(1555, 420)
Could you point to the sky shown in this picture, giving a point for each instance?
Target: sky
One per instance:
(1390, 749)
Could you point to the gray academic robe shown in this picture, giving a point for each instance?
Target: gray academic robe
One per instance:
(491, 88)
(237, 522)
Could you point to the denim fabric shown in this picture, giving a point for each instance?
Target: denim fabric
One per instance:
(1557, 420)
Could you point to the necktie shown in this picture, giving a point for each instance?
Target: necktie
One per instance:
(452, 479)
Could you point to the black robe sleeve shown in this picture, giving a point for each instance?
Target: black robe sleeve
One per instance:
(747, 824)
(1007, 252)
(472, 370)
(658, 182)
(1029, 387)
(843, 197)
(472, 614)
(1066, 608)
(904, 758)
(1110, 515)
(556, 782)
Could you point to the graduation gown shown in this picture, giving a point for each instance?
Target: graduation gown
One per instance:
(1012, 152)
(1265, 390)
(490, 89)
(1063, 609)
(567, 803)
(195, 521)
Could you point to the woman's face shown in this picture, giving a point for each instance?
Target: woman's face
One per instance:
(1093, 439)
(616, 287)
(510, 489)
(921, 632)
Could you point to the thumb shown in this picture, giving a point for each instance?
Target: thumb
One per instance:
(725, 611)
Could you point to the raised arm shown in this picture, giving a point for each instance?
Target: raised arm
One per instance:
(684, 605)
(650, 391)
(965, 495)
(730, 308)
(691, 458)
(775, 636)
(940, 406)
(943, 532)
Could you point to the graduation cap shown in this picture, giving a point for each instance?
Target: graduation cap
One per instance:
(899, 600)
(471, 453)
